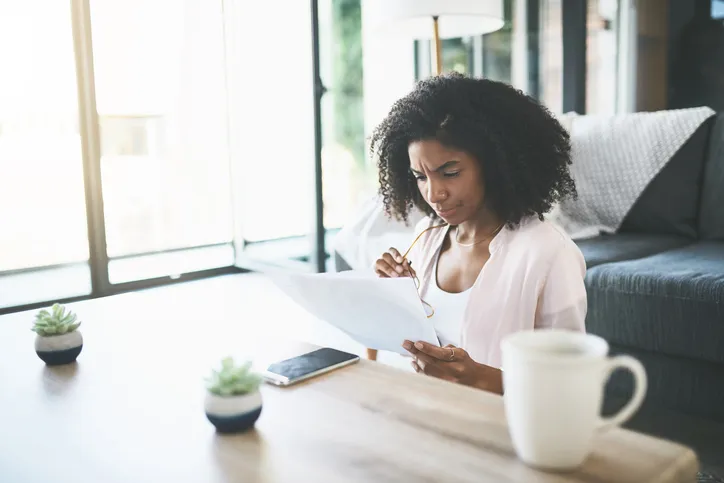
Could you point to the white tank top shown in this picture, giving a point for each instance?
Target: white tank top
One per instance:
(449, 309)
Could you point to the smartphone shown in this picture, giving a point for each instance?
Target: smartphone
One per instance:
(299, 368)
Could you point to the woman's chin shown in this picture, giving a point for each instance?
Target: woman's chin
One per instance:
(448, 216)
(450, 219)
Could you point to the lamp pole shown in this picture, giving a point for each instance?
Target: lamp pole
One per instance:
(438, 44)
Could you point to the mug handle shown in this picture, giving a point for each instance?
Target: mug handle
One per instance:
(639, 373)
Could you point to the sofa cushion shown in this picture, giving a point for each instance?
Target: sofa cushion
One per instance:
(671, 302)
(670, 203)
(711, 216)
(626, 246)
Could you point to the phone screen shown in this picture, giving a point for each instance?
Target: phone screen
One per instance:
(306, 364)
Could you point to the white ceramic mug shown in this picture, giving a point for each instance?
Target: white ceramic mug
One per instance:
(553, 382)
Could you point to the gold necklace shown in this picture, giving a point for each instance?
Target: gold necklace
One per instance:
(495, 232)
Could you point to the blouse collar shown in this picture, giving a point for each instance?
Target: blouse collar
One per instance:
(499, 239)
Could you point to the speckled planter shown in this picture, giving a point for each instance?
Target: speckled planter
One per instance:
(234, 413)
(59, 349)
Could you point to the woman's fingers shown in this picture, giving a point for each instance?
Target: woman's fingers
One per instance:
(378, 270)
(425, 360)
(406, 268)
(383, 269)
(390, 259)
(398, 258)
(391, 264)
(447, 353)
(430, 368)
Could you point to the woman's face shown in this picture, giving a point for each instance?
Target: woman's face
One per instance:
(451, 181)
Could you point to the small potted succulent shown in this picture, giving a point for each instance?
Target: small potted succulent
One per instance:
(233, 400)
(58, 340)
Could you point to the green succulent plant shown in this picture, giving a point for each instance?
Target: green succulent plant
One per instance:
(56, 322)
(233, 379)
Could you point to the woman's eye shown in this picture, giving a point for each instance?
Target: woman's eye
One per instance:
(451, 175)
(420, 178)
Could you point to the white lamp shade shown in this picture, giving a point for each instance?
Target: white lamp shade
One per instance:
(413, 18)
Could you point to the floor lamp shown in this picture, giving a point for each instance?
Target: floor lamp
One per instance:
(432, 20)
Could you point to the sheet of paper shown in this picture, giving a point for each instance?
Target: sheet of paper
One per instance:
(379, 313)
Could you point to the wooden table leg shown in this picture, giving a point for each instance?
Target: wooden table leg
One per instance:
(372, 354)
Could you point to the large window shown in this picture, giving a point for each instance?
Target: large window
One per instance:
(488, 55)
(526, 52)
(550, 86)
(114, 146)
(162, 109)
(349, 177)
(146, 141)
(42, 204)
(602, 56)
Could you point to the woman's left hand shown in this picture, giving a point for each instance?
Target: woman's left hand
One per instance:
(453, 364)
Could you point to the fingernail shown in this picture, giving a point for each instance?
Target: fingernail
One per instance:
(407, 344)
(399, 259)
(398, 268)
(418, 345)
(394, 274)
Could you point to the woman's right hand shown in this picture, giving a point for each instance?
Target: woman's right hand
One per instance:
(392, 265)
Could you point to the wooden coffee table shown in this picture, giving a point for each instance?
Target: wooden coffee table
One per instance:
(131, 409)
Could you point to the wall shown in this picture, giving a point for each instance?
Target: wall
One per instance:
(653, 54)
(696, 49)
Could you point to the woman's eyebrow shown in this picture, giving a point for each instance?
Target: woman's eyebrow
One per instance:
(449, 164)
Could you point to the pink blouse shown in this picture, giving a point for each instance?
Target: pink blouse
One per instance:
(533, 280)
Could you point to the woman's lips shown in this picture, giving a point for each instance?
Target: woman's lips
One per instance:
(446, 213)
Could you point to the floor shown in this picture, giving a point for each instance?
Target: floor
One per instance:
(705, 437)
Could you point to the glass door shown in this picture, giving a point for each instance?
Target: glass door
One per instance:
(272, 132)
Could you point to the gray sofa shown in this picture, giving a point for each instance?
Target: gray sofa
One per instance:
(656, 288)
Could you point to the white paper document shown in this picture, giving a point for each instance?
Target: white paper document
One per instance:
(379, 313)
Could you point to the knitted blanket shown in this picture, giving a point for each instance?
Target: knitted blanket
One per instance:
(614, 158)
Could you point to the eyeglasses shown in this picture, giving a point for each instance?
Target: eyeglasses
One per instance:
(414, 275)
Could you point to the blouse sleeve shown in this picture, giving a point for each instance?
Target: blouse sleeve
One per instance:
(563, 303)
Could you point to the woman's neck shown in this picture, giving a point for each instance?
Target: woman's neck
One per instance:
(479, 228)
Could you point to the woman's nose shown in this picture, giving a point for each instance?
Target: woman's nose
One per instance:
(436, 193)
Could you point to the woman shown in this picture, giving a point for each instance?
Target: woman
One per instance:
(485, 163)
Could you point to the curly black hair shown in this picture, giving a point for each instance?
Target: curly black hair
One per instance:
(523, 150)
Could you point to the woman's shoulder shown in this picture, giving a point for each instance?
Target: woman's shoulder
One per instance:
(543, 239)
(534, 227)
